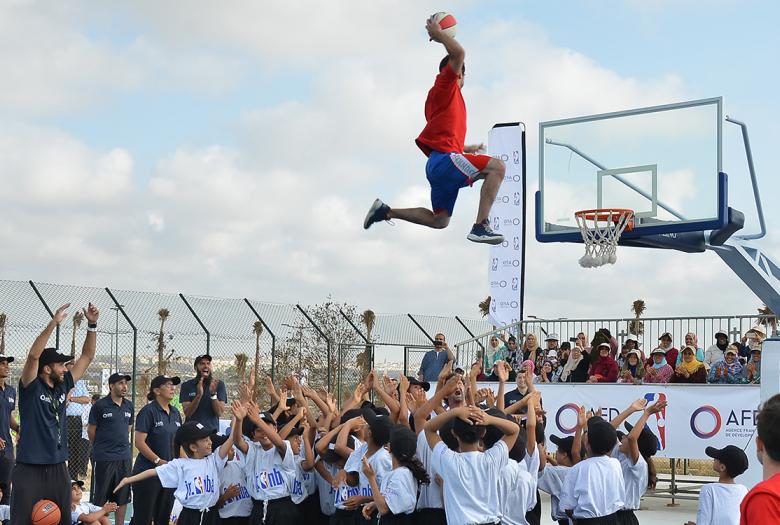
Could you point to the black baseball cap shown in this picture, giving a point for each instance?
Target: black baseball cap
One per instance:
(296, 431)
(116, 377)
(159, 381)
(202, 357)
(602, 437)
(648, 442)
(414, 381)
(403, 442)
(6, 358)
(192, 431)
(564, 444)
(217, 440)
(77, 482)
(379, 425)
(50, 356)
(733, 457)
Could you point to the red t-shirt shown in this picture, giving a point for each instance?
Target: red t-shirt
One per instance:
(762, 504)
(445, 114)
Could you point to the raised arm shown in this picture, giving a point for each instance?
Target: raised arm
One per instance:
(403, 412)
(322, 445)
(239, 413)
(422, 413)
(268, 430)
(576, 447)
(341, 442)
(454, 49)
(633, 436)
(530, 424)
(30, 371)
(503, 375)
(466, 413)
(379, 499)
(636, 406)
(88, 350)
(509, 428)
(389, 401)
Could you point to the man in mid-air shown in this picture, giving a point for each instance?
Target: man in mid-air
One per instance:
(451, 165)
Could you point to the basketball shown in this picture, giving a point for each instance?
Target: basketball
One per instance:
(45, 512)
(446, 21)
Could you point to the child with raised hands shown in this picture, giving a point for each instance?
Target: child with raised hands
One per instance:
(594, 489)
(270, 465)
(196, 477)
(552, 473)
(235, 503)
(634, 452)
(470, 476)
(395, 499)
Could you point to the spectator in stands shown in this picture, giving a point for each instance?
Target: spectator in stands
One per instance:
(531, 348)
(576, 368)
(692, 341)
(552, 344)
(728, 370)
(582, 342)
(496, 351)
(690, 369)
(659, 371)
(762, 504)
(514, 356)
(605, 369)
(565, 352)
(546, 374)
(621, 357)
(716, 352)
(753, 368)
(752, 339)
(434, 360)
(632, 371)
(632, 341)
(665, 342)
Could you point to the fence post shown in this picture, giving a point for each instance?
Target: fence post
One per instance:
(51, 314)
(420, 327)
(273, 337)
(203, 326)
(322, 334)
(135, 340)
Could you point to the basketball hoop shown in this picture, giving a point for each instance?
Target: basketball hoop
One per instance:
(601, 230)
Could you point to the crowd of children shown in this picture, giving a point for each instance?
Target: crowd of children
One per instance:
(456, 456)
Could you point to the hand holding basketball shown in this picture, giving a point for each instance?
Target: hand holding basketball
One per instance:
(440, 25)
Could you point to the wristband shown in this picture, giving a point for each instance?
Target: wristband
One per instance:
(92, 327)
(214, 397)
(157, 461)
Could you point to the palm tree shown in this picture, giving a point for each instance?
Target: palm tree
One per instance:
(241, 361)
(257, 328)
(636, 326)
(363, 359)
(3, 320)
(484, 307)
(768, 319)
(162, 363)
(78, 317)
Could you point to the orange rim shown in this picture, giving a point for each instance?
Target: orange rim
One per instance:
(604, 214)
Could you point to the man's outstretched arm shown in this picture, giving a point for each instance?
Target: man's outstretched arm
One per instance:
(454, 49)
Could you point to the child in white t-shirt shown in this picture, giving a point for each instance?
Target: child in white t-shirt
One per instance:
(719, 502)
(552, 473)
(470, 476)
(85, 512)
(270, 465)
(195, 477)
(235, 503)
(304, 486)
(594, 488)
(396, 498)
(327, 467)
(634, 452)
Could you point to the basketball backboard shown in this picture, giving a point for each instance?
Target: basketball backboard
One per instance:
(664, 162)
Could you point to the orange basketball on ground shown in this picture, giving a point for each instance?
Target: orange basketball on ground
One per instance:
(46, 512)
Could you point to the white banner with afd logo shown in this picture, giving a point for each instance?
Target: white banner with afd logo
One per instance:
(507, 217)
(697, 416)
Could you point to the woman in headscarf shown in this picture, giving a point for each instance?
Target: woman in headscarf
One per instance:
(716, 352)
(632, 371)
(576, 368)
(728, 370)
(605, 370)
(582, 342)
(671, 353)
(658, 371)
(545, 374)
(752, 340)
(495, 351)
(531, 348)
(690, 369)
(692, 341)
(753, 368)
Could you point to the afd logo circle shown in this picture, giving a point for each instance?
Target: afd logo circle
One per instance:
(701, 431)
(568, 407)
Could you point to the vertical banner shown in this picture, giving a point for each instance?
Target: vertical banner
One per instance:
(507, 217)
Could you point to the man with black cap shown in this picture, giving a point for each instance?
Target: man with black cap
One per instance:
(7, 423)
(109, 424)
(40, 471)
(203, 397)
(719, 502)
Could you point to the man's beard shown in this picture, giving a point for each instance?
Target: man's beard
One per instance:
(55, 377)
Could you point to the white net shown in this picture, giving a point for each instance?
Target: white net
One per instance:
(601, 231)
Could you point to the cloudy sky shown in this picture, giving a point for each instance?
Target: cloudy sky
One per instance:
(234, 151)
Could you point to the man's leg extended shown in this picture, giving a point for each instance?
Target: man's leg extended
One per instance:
(493, 176)
(421, 216)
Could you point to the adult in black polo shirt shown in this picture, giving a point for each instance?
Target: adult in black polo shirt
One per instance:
(40, 471)
(203, 398)
(155, 428)
(7, 423)
(109, 424)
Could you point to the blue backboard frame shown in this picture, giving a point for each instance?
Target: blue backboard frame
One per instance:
(555, 233)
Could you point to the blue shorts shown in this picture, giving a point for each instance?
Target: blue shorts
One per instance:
(447, 173)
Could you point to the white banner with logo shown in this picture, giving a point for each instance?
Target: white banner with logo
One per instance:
(506, 142)
(696, 416)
